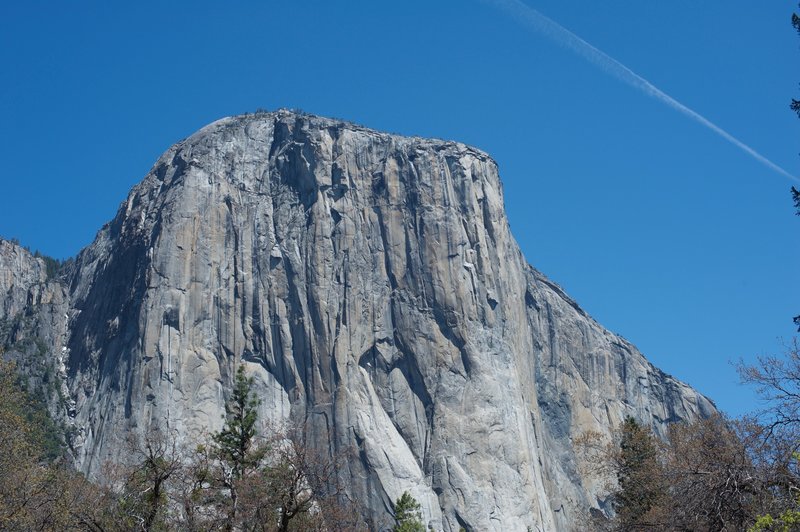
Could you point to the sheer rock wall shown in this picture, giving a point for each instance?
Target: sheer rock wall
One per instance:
(371, 286)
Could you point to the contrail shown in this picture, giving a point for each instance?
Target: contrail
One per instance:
(561, 35)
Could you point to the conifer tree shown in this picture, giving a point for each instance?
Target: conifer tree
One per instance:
(638, 475)
(795, 105)
(407, 515)
(235, 443)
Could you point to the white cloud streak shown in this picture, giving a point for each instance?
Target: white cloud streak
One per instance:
(551, 29)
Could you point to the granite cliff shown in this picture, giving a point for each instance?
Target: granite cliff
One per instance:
(371, 286)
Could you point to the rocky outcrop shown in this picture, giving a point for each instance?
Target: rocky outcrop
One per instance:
(33, 324)
(371, 286)
(22, 277)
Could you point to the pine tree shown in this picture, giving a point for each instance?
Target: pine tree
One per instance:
(407, 515)
(795, 105)
(638, 475)
(235, 443)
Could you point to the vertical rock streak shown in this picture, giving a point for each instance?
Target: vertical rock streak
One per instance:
(370, 284)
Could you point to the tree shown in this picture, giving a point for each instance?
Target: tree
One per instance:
(706, 475)
(777, 382)
(236, 442)
(297, 475)
(202, 497)
(795, 105)
(297, 488)
(629, 468)
(774, 431)
(787, 521)
(238, 481)
(713, 482)
(639, 476)
(245, 481)
(37, 491)
(145, 492)
(407, 514)
(235, 446)
(795, 192)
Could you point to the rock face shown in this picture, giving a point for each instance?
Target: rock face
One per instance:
(371, 286)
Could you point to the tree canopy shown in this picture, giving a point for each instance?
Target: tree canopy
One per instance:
(408, 514)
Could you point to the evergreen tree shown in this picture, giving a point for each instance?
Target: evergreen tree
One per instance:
(795, 105)
(235, 443)
(407, 515)
(639, 476)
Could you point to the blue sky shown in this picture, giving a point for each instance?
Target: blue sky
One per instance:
(662, 230)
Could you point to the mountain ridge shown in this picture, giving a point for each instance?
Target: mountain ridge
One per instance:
(371, 286)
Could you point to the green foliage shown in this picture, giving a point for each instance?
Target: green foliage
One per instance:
(44, 438)
(33, 374)
(638, 476)
(233, 483)
(788, 521)
(49, 434)
(52, 266)
(35, 492)
(235, 443)
(407, 515)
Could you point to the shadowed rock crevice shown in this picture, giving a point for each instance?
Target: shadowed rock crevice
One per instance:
(371, 287)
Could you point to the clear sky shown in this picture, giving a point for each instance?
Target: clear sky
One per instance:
(662, 230)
